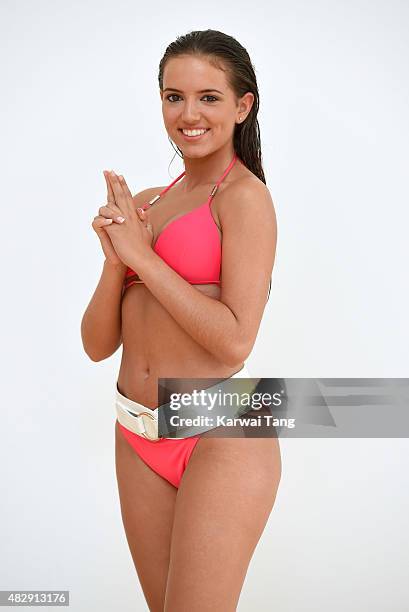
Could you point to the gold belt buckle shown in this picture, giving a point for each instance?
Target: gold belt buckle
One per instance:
(145, 434)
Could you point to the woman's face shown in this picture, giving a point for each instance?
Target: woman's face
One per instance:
(185, 105)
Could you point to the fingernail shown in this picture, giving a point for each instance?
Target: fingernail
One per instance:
(120, 219)
(109, 221)
(112, 173)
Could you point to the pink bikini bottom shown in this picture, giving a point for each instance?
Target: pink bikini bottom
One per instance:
(168, 457)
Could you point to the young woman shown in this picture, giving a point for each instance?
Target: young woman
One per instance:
(183, 289)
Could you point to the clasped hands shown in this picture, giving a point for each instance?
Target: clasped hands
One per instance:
(125, 233)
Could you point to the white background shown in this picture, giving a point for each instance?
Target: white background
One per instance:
(79, 95)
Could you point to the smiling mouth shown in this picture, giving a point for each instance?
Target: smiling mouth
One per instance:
(197, 136)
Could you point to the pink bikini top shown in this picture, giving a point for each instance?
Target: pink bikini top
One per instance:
(190, 244)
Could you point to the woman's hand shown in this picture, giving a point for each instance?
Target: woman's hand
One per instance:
(129, 231)
(107, 215)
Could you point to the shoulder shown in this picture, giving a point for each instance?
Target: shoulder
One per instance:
(147, 194)
(247, 194)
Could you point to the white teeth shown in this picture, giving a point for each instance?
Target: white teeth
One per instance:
(193, 132)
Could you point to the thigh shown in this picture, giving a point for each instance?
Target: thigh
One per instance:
(225, 498)
(147, 507)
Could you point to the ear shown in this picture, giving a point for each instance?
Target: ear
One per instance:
(245, 104)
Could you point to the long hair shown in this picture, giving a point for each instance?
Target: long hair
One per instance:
(226, 53)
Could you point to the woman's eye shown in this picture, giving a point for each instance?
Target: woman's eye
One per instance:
(176, 96)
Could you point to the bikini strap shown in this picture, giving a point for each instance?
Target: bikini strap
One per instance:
(225, 173)
(156, 198)
(172, 183)
(212, 193)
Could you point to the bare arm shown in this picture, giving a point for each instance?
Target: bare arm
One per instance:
(226, 328)
(101, 325)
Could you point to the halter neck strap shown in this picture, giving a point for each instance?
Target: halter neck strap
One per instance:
(225, 173)
(212, 193)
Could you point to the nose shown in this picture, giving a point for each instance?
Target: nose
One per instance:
(190, 113)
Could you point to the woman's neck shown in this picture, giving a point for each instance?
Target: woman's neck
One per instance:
(205, 170)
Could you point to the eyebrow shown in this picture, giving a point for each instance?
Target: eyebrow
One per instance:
(201, 91)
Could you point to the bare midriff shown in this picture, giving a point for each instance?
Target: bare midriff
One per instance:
(155, 345)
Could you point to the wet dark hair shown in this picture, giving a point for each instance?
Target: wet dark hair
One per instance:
(227, 54)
